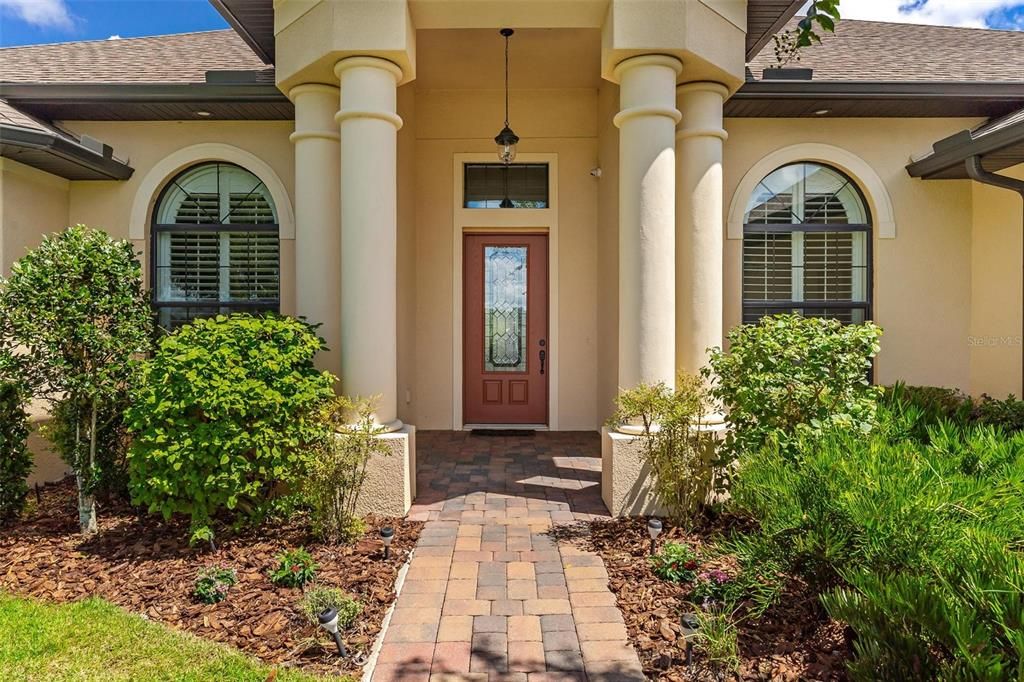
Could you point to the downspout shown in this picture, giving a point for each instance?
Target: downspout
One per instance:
(976, 172)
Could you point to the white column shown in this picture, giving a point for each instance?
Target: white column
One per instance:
(699, 219)
(317, 217)
(646, 125)
(368, 125)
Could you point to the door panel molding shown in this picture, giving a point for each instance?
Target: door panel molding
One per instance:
(506, 221)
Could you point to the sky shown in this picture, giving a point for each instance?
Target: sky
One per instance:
(24, 22)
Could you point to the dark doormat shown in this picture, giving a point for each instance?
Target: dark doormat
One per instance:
(518, 433)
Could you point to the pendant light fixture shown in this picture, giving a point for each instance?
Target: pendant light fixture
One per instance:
(506, 139)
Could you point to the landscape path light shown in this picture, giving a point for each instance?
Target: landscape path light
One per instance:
(387, 534)
(690, 628)
(329, 621)
(654, 530)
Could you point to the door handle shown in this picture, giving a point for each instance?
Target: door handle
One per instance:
(543, 355)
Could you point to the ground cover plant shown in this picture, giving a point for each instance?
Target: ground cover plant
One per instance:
(76, 310)
(293, 568)
(94, 641)
(212, 584)
(225, 418)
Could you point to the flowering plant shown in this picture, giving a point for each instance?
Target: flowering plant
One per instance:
(676, 562)
(212, 584)
(295, 568)
(711, 585)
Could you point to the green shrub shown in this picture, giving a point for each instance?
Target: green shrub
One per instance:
(338, 468)
(318, 599)
(76, 310)
(916, 544)
(1007, 414)
(15, 459)
(212, 584)
(675, 562)
(680, 453)
(295, 568)
(790, 375)
(226, 417)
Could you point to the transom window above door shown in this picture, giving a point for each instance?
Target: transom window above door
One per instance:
(807, 246)
(215, 245)
(499, 185)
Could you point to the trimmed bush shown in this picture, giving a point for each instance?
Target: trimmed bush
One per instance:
(789, 376)
(15, 459)
(225, 418)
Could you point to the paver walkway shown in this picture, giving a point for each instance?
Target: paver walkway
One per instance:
(490, 595)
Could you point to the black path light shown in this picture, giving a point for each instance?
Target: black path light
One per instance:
(690, 627)
(329, 621)
(654, 530)
(387, 534)
(506, 139)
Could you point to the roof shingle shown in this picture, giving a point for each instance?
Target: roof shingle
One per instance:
(881, 51)
(178, 58)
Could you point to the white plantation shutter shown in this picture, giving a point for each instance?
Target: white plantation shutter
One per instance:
(802, 259)
(225, 265)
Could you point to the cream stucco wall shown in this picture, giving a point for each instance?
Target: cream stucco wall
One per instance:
(922, 278)
(995, 336)
(32, 203)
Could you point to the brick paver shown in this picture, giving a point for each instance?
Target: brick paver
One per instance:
(490, 595)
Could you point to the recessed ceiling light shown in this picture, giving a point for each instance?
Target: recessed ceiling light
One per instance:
(821, 112)
(203, 113)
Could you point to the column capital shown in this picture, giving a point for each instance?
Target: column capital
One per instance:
(702, 86)
(315, 104)
(304, 88)
(368, 61)
(646, 60)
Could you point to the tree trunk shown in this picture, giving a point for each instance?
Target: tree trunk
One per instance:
(87, 502)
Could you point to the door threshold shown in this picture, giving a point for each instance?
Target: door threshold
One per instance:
(504, 427)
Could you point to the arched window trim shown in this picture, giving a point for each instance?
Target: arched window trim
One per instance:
(752, 308)
(222, 226)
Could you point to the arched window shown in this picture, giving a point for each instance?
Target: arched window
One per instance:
(807, 246)
(216, 248)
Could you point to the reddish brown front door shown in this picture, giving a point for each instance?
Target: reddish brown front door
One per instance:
(506, 355)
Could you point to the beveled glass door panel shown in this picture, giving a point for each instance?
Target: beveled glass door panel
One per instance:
(505, 350)
(505, 304)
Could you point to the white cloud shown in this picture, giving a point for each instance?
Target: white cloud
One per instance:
(941, 12)
(114, 37)
(42, 13)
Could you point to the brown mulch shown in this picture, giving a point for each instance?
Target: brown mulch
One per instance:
(147, 567)
(793, 640)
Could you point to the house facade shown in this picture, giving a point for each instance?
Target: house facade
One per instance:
(336, 160)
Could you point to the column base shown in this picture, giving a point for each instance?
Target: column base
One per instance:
(627, 480)
(390, 485)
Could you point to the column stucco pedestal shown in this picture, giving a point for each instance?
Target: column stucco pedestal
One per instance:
(627, 480)
(390, 485)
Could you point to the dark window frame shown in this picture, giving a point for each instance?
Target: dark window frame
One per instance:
(218, 307)
(750, 307)
(467, 165)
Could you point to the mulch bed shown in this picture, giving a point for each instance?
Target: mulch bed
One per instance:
(794, 640)
(147, 567)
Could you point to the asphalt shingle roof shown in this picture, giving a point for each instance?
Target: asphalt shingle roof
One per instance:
(179, 58)
(881, 51)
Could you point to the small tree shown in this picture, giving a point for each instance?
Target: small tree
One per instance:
(76, 310)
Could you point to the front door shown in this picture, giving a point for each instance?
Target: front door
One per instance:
(506, 355)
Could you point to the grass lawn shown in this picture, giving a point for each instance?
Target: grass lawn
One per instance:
(95, 640)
